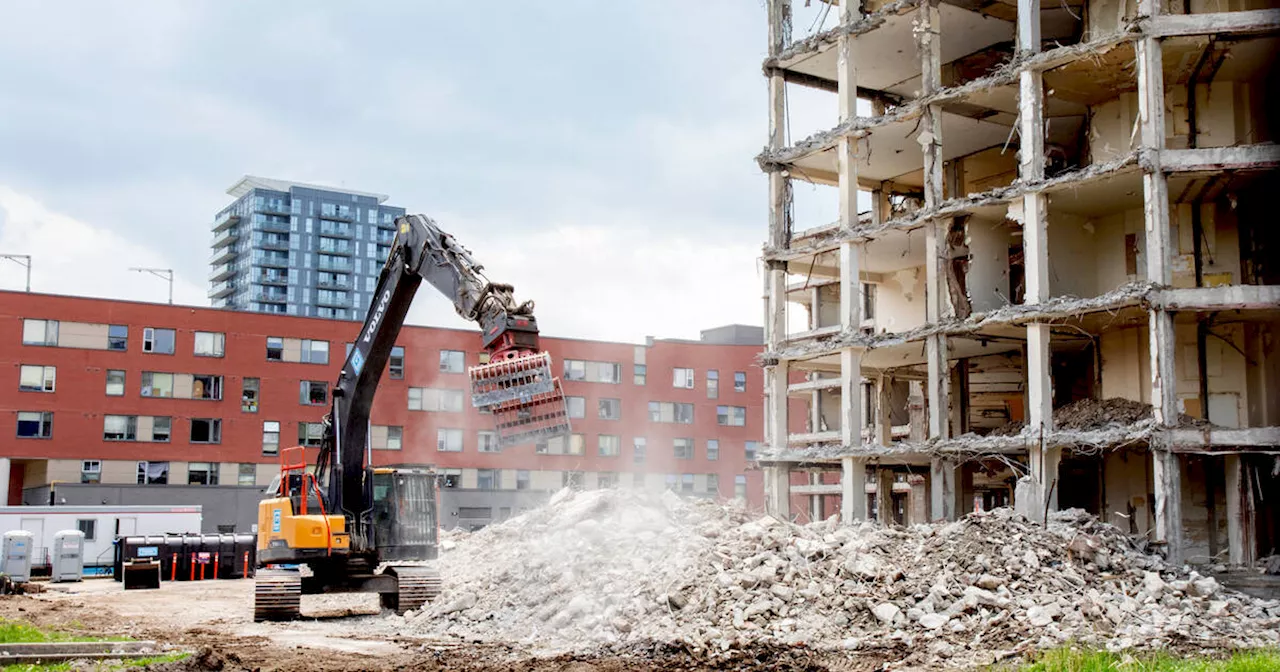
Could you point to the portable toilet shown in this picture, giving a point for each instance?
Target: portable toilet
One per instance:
(68, 556)
(16, 561)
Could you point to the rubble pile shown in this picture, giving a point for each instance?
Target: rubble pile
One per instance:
(1093, 414)
(618, 568)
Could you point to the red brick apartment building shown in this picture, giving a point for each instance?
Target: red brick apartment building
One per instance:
(129, 403)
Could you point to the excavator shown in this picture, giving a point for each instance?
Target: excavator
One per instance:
(346, 526)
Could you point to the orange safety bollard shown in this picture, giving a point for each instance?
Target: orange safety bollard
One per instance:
(215, 564)
(246, 565)
(173, 566)
(193, 567)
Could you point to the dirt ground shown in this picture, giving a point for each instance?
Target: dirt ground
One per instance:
(346, 632)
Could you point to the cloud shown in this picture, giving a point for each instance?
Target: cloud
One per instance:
(72, 257)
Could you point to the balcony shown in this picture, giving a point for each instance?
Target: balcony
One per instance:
(223, 255)
(269, 225)
(223, 290)
(227, 237)
(334, 266)
(329, 229)
(272, 279)
(271, 260)
(344, 250)
(225, 221)
(270, 297)
(342, 283)
(347, 216)
(274, 208)
(222, 272)
(273, 243)
(343, 301)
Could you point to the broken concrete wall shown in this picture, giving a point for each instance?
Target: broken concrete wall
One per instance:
(1227, 369)
(1197, 522)
(1119, 248)
(988, 277)
(1219, 245)
(997, 384)
(1224, 112)
(986, 170)
(828, 306)
(1126, 489)
(1104, 17)
(1073, 264)
(1262, 402)
(900, 300)
(1126, 365)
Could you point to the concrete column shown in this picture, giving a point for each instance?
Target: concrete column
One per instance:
(776, 409)
(815, 501)
(4, 481)
(853, 485)
(777, 491)
(779, 185)
(884, 494)
(883, 423)
(1240, 532)
(942, 489)
(1166, 471)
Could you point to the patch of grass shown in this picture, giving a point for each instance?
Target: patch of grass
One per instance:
(18, 632)
(154, 660)
(56, 667)
(100, 665)
(1068, 659)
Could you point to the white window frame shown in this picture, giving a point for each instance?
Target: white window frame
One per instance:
(682, 378)
(48, 377)
(216, 345)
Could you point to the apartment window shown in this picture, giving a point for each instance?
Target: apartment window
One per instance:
(487, 441)
(751, 448)
(118, 337)
(739, 381)
(577, 406)
(160, 428)
(731, 416)
(449, 440)
(270, 437)
(206, 387)
(206, 430)
(156, 384)
(452, 361)
(868, 301)
(610, 409)
(35, 378)
(158, 341)
(115, 383)
(88, 527)
(202, 473)
(395, 437)
(666, 411)
(571, 479)
(39, 332)
(395, 365)
(868, 405)
(153, 473)
(682, 378)
(522, 479)
(683, 448)
(713, 449)
(610, 446)
(275, 349)
(314, 352)
(310, 433)
(209, 344)
(740, 487)
(35, 424)
(119, 428)
(639, 374)
(639, 446)
(592, 372)
(713, 384)
(606, 479)
(713, 484)
(686, 483)
(247, 474)
(312, 393)
(433, 399)
(249, 395)
(487, 479)
(90, 471)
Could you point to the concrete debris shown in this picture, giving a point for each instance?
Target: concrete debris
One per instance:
(1100, 414)
(619, 569)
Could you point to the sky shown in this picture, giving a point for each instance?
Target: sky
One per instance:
(597, 155)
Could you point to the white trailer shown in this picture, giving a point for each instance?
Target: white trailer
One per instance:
(100, 524)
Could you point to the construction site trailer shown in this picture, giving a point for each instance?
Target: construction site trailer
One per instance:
(100, 525)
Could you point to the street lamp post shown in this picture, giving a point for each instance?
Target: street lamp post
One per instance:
(165, 273)
(23, 260)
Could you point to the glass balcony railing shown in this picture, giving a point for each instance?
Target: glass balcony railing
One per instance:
(338, 264)
(332, 229)
(224, 221)
(271, 297)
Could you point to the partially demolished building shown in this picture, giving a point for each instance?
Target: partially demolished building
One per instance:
(1055, 277)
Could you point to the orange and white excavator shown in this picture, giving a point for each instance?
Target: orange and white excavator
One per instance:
(357, 528)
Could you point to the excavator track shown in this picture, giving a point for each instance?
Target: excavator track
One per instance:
(417, 586)
(277, 595)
